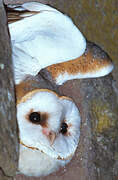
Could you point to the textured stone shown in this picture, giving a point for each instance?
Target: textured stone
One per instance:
(8, 127)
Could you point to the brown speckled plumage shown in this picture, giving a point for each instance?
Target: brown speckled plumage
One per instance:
(92, 60)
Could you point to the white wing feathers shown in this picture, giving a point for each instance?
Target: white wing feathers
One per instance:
(46, 38)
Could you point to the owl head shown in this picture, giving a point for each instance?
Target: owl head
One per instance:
(49, 123)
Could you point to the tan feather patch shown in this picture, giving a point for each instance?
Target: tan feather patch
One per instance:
(89, 62)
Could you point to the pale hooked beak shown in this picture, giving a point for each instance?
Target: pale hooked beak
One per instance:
(51, 135)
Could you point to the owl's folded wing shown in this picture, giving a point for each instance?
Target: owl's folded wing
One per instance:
(45, 34)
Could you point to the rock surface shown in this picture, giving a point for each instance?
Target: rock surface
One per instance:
(8, 127)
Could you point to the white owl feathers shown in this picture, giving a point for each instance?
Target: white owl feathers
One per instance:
(49, 125)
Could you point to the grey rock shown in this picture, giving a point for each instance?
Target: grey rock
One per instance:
(8, 126)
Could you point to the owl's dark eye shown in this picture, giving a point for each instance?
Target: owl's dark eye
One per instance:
(64, 128)
(34, 117)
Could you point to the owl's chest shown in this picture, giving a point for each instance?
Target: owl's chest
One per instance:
(36, 163)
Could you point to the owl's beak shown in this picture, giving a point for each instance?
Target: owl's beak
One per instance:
(51, 135)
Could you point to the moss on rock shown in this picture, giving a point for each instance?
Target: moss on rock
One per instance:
(103, 116)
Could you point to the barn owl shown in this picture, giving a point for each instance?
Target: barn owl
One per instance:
(49, 124)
